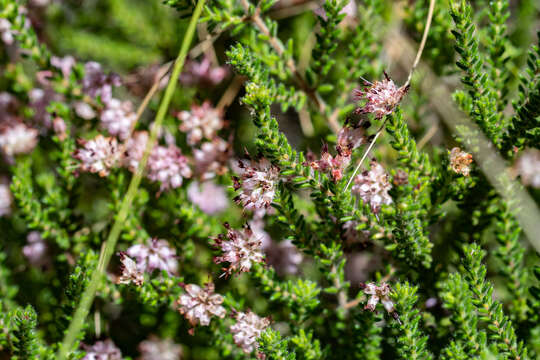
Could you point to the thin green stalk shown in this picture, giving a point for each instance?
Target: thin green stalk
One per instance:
(108, 249)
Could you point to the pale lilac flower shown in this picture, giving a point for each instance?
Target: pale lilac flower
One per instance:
(96, 83)
(84, 110)
(211, 158)
(36, 249)
(168, 166)
(130, 272)
(155, 254)
(333, 165)
(241, 249)
(135, 147)
(199, 305)
(64, 64)
(201, 122)
(17, 139)
(527, 167)
(6, 33)
(39, 101)
(118, 118)
(208, 196)
(155, 348)
(460, 161)
(202, 73)
(372, 187)
(247, 329)
(380, 293)
(257, 184)
(381, 97)
(102, 350)
(6, 199)
(98, 155)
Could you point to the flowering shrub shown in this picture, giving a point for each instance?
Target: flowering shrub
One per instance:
(305, 180)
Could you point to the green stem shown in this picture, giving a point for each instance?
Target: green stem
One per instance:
(109, 246)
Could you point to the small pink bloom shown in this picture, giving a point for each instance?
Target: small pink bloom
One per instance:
(130, 272)
(247, 329)
(460, 161)
(155, 254)
(372, 187)
(118, 118)
(257, 184)
(102, 350)
(381, 97)
(17, 139)
(98, 155)
(155, 348)
(201, 122)
(202, 73)
(199, 305)
(208, 196)
(168, 166)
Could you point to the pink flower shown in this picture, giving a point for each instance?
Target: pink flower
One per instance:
(202, 73)
(460, 161)
(6, 33)
(381, 97)
(102, 350)
(84, 110)
(257, 184)
(168, 166)
(95, 83)
(333, 165)
(247, 329)
(378, 293)
(208, 196)
(64, 64)
(201, 122)
(155, 348)
(351, 137)
(372, 186)
(98, 155)
(130, 272)
(212, 157)
(17, 139)
(135, 147)
(36, 249)
(155, 254)
(6, 199)
(241, 249)
(199, 305)
(118, 118)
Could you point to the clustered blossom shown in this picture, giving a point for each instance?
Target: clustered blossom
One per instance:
(198, 305)
(211, 158)
(208, 196)
(257, 184)
(460, 161)
(380, 293)
(36, 249)
(155, 254)
(135, 147)
(201, 122)
(98, 155)
(381, 97)
(17, 139)
(95, 83)
(247, 329)
(527, 167)
(130, 272)
(168, 166)
(5, 199)
(64, 64)
(6, 32)
(202, 73)
(157, 349)
(118, 118)
(240, 248)
(334, 165)
(102, 350)
(372, 187)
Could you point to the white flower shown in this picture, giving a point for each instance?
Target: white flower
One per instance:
(84, 110)
(240, 248)
(199, 305)
(135, 147)
(382, 97)
(18, 139)
(256, 184)
(158, 349)
(460, 161)
(380, 293)
(247, 329)
(102, 350)
(5, 199)
(98, 155)
(6, 34)
(372, 186)
(130, 272)
(168, 166)
(155, 254)
(118, 118)
(201, 122)
(528, 167)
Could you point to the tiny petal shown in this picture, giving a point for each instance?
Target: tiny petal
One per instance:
(247, 329)
(130, 271)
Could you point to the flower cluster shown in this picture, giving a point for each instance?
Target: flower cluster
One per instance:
(98, 155)
(240, 248)
(257, 184)
(17, 139)
(211, 158)
(372, 187)
(460, 161)
(118, 118)
(201, 122)
(96, 83)
(202, 73)
(380, 293)
(247, 329)
(130, 271)
(381, 97)
(102, 350)
(198, 305)
(168, 166)
(6, 33)
(155, 254)
(157, 349)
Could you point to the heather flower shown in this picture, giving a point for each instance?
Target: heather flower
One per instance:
(39, 101)
(334, 165)
(212, 157)
(5, 199)
(130, 271)
(349, 138)
(247, 329)
(168, 166)
(198, 305)
(36, 249)
(155, 254)
(118, 118)
(157, 349)
(208, 196)
(17, 139)
(60, 128)
(460, 161)
(381, 97)
(241, 249)
(372, 186)
(98, 155)
(102, 350)
(379, 293)
(257, 184)
(135, 147)
(6, 33)
(84, 110)
(201, 122)
(202, 73)
(64, 64)
(95, 83)
(527, 167)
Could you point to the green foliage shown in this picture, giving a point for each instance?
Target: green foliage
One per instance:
(23, 336)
